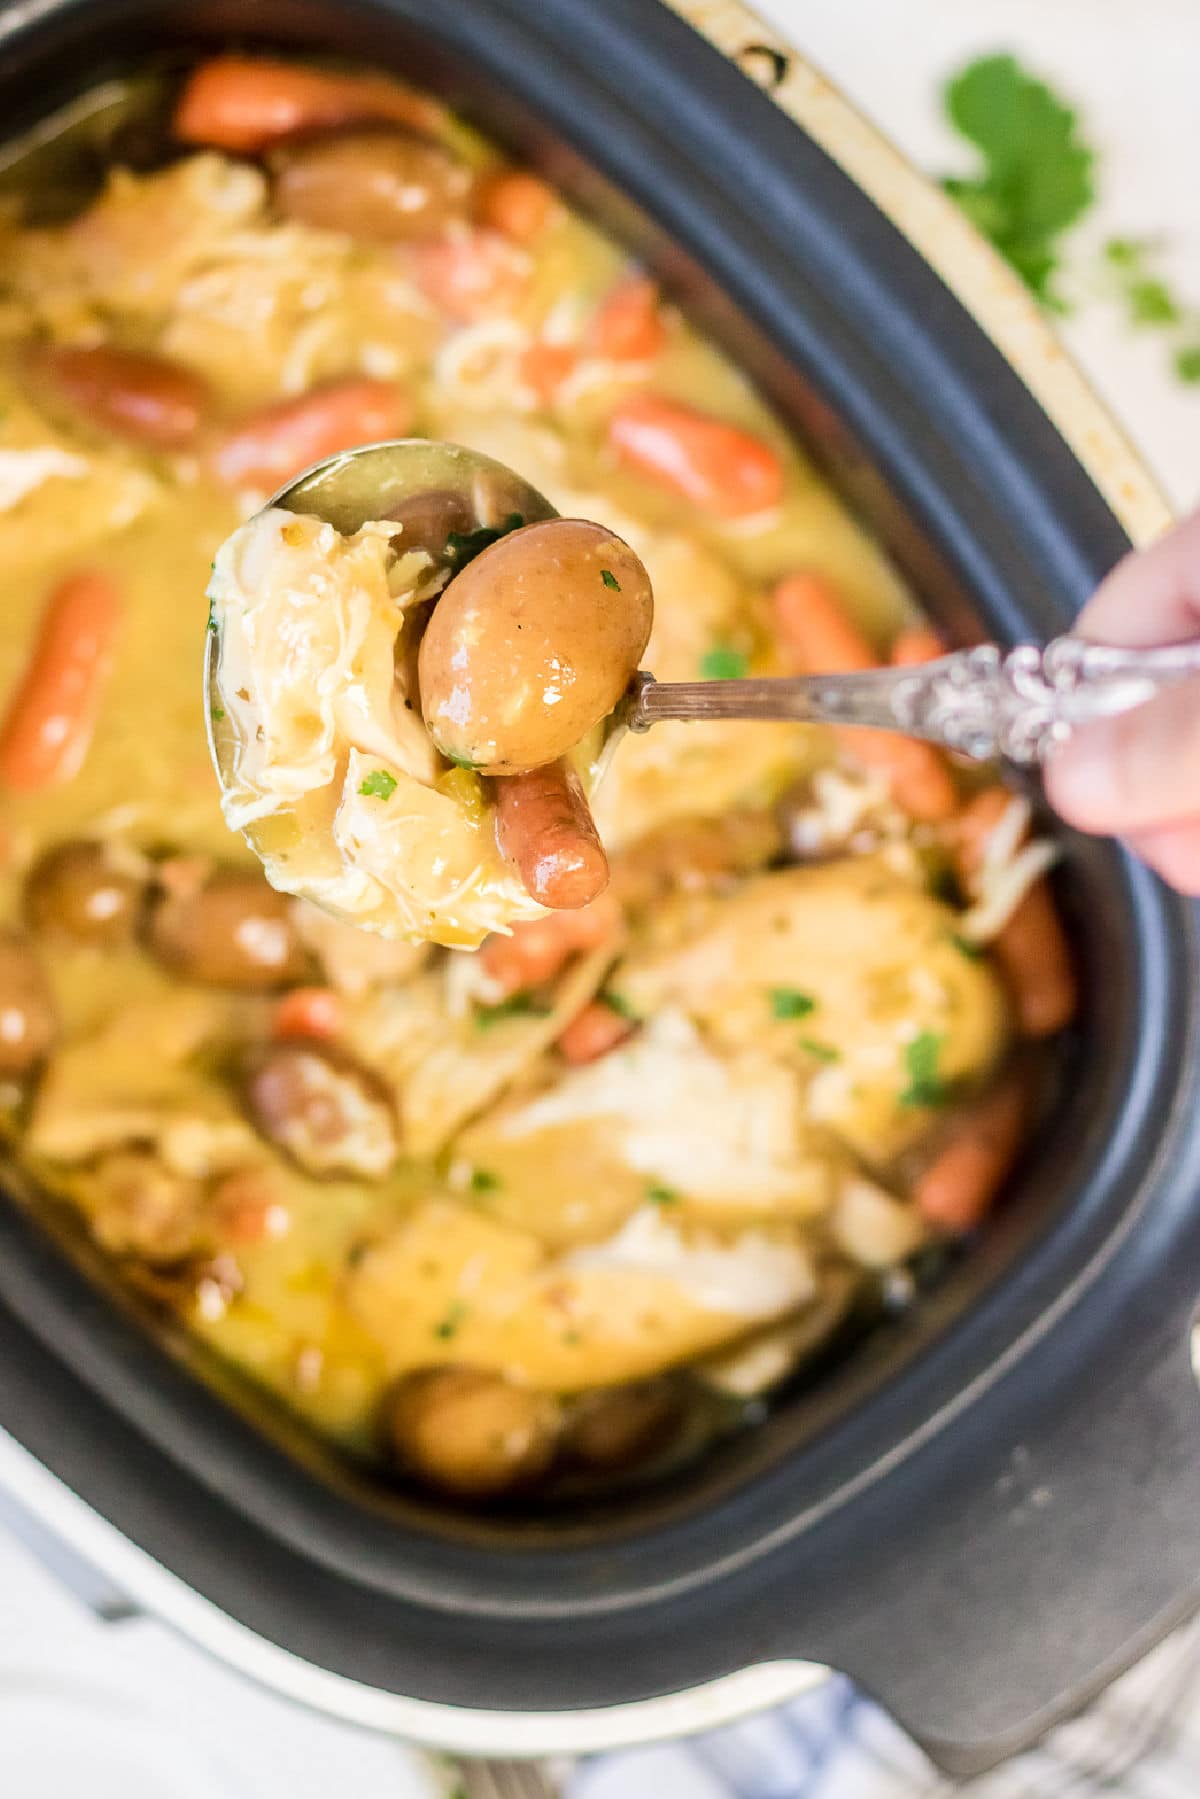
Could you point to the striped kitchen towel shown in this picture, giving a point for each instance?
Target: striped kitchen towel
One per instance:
(1141, 1741)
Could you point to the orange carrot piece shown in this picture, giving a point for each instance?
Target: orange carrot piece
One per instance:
(629, 326)
(247, 1207)
(717, 466)
(819, 638)
(272, 446)
(308, 1012)
(540, 947)
(916, 644)
(544, 367)
(956, 1191)
(1032, 948)
(470, 273)
(516, 204)
(52, 714)
(245, 104)
(592, 1033)
(918, 778)
(815, 630)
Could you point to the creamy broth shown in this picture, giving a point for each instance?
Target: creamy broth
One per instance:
(674, 1141)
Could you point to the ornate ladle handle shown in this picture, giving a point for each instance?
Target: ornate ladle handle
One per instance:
(982, 702)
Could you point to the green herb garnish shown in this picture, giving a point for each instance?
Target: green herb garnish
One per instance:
(925, 1085)
(461, 762)
(518, 1005)
(610, 580)
(216, 713)
(484, 1181)
(616, 1002)
(378, 785)
(1036, 176)
(974, 952)
(722, 663)
(820, 1052)
(449, 1325)
(463, 546)
(789, 1002)
(1151, 302)
(1186, 363)
(657, 1195)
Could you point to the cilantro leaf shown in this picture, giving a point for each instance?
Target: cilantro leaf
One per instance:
(616, 1002)
(378, 785)
(1036, 178)
(1187, 363)
(722, 663)
(518, 1005)
(789, 1002)
(1151, 302)
(449, 1325)
(463, 546)
(610, 580)
(925, 1085)
(484, 1181)
(658, 1195)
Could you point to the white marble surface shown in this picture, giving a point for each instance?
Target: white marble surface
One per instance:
(129, 1711)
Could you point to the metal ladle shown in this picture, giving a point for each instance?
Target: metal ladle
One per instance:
(981, 702)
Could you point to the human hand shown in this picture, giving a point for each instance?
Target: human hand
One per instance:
(1137, 776)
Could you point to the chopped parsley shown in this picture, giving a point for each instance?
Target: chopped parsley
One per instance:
(974, 952)
(484, 1181)
(722, 663)
(616, 1002)
(1035, 178)
(216, 713)
(449, 1326)
(518, 1005)
(1135, 271)
(379, 785)
(610, 580)
(1186, 363)
(820, 1052)
(925, 1085)
(463, 546)
(789, 1002)
(658, 1195)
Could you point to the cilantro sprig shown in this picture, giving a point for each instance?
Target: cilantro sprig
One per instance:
(378, 785)
(925, 1085)
(1036, 175)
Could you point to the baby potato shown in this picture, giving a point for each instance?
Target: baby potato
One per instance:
(533, 644)
(470, 1431)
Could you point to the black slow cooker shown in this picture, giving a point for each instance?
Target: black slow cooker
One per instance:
(990, 1509)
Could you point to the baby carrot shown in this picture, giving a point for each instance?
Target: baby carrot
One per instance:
(271, 446)
(819, 638)
(592, 1033)
(717, 466)
(545, 828)
(246, 103)
(1031, 948)
(308, 1012)
(468, 273)
(538, 948)
(515, 203)
(956, 1191)
(914, 645)
(51, 716)
(628, 326)
(544, 367)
